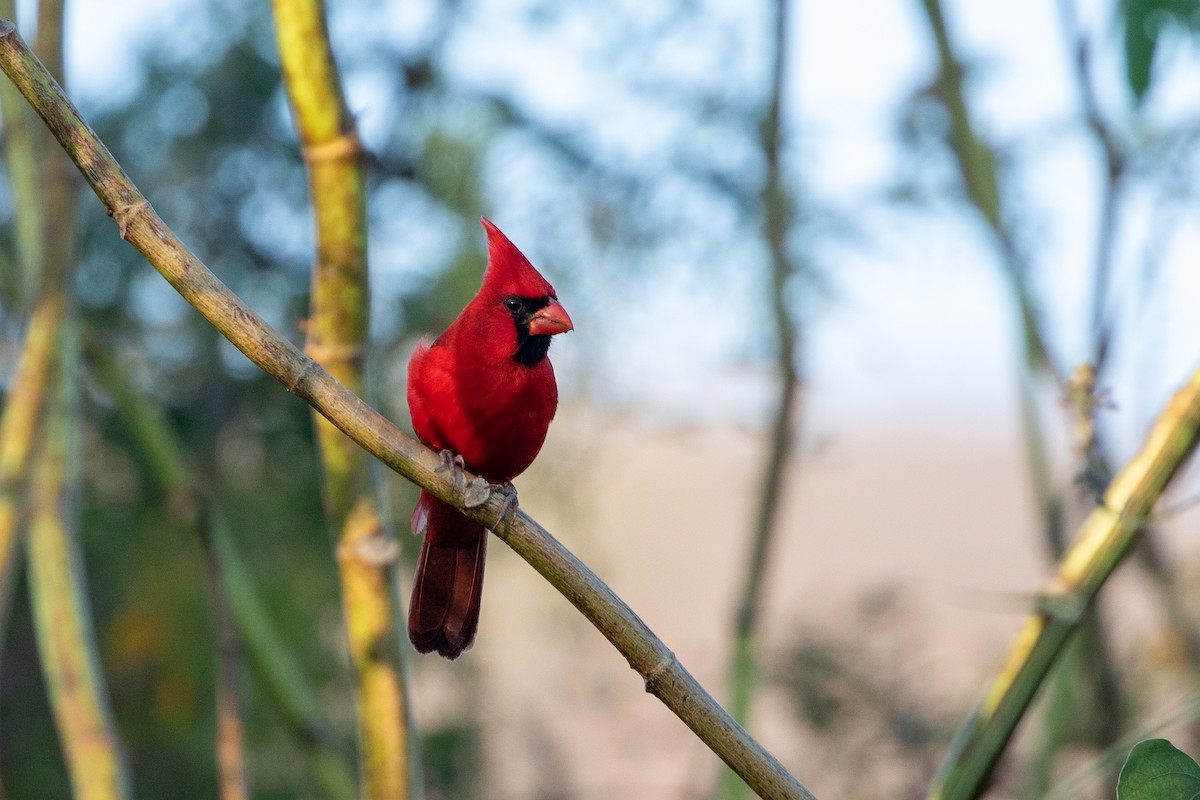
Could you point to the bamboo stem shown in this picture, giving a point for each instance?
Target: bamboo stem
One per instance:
(24, 409)
(20, 427)
(337, 339)
(62, 617)
(57, 584)
(664, 676)
(21, 165)
(1103, 540)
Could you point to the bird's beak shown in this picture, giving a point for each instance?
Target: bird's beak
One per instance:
(549, 320)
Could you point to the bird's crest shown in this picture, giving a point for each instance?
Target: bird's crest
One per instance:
(508, 270)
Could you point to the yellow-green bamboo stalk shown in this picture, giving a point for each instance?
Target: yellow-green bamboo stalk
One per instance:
(57, 586)
(62, 617)
(20, 426)
(269, 659)
(337, 337)
(1103, 540)
(664, 676)
(26, 401)
(20, 161)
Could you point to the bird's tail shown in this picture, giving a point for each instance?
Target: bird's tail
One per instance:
(448, 586)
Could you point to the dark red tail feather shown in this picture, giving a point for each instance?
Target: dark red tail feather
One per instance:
(448, 587)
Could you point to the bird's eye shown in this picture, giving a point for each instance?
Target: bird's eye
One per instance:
(513, 304)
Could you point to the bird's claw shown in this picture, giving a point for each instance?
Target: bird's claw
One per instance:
(454, 464)
(510, 501)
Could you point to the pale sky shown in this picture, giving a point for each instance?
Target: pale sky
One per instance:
(918, 325)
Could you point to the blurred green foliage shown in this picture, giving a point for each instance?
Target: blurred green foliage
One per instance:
(1145, 23)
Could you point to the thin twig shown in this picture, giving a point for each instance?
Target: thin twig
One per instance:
(1114, 172)
(278, 357)
(231, 729)
(775, 200)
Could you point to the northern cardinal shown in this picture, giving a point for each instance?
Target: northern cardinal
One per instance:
(483, 391)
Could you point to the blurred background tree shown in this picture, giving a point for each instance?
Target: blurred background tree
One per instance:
(621, 147)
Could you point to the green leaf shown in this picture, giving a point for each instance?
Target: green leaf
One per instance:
(1144, 22)
(1141, 37)
(1157, 770)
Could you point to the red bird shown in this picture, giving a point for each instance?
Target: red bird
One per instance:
(484, 390)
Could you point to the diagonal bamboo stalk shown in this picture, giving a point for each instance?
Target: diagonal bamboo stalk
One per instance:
(1104, 539)
(664, 676)
(337, 337)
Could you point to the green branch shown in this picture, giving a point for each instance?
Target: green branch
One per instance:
(664, 676)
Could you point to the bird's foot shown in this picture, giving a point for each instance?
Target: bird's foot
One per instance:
(478, 491)
(454, 464)
(509, 493)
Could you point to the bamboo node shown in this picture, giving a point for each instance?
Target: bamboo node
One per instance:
(659, 671)
(378, 550)
(127, 215)
(306, 365)
(348, 145)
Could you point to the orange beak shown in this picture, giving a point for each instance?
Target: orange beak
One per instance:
(549, 320)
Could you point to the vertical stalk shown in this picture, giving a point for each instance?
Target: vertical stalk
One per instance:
(231, 730)
(20, 422)
(337, 334)
(20, 428)
(62, 617)
(776, 209)
(20, 161)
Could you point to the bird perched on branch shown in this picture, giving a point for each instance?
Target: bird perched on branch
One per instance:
(483, 394)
